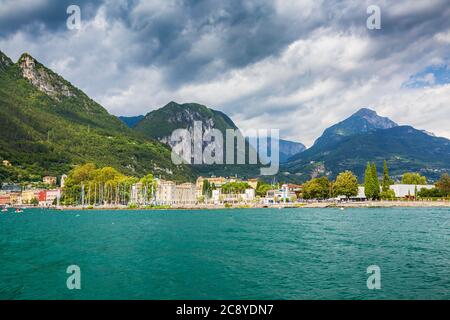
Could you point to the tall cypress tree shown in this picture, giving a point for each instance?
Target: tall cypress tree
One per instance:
(368, 185)
(386, 179)
(375, 182)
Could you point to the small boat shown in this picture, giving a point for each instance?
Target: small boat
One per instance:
(19, 210)
(4, 210)
(342, 208)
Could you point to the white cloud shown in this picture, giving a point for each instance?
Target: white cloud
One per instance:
(322, 76)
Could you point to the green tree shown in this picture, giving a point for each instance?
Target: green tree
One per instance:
(149, 186)
(207, 189)
(387, 195)
(375, 182)
(444, 184)
(346, 184)
(317, 188)
(235, 187)
(3, 174)
(34, 202)
(413, 178)
(387, 181)
(368, 185)
(262, 188)
(431, 193)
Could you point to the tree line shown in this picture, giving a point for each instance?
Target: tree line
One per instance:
(346, 184)
(89, 185)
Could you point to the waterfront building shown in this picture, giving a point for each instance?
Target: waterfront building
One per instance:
(361, 196)
(165, 192)
(169, 193)
(217, 181)
(29, 195)
(279, 195)
(15, 198)
(42, 198)
(408, 190)
(51, 196)
(249, 194)
(185, 194)
(4, 199)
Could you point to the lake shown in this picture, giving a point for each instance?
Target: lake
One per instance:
(226, 254)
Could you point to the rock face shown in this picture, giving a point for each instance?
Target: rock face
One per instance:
(363, 121)
(44, 79)
(159, 124)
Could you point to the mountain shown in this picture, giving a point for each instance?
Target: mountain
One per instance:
(48, 125)
(342, 147)
(289, 149)
(159, 124)
(364, 120)
(131, 121)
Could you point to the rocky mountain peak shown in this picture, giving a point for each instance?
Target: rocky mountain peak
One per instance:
(44, 79)
(362, 121)
(374, 119)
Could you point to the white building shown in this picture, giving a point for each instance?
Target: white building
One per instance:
(249, 194)
(169, 193)
(405, 190)
(360, 196)
(47, 198)
(282, 195)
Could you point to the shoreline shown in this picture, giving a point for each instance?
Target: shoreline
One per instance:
(306, 205)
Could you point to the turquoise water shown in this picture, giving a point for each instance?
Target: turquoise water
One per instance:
(226, 254)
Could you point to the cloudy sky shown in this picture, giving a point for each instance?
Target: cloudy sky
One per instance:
(296, 65)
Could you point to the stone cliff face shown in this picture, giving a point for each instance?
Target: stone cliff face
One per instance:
(363, 121)
(43, 79)
(374, 121)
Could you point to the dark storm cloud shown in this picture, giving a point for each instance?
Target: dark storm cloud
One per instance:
(33, 15)
(196, 40)
(233, 34)
(263, 62)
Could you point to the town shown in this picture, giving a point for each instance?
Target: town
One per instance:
(87, 187)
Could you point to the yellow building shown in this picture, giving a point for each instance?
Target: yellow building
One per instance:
(15, 198)
(168, 193)
(217, 181)
(49, 180)
(29, 195)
